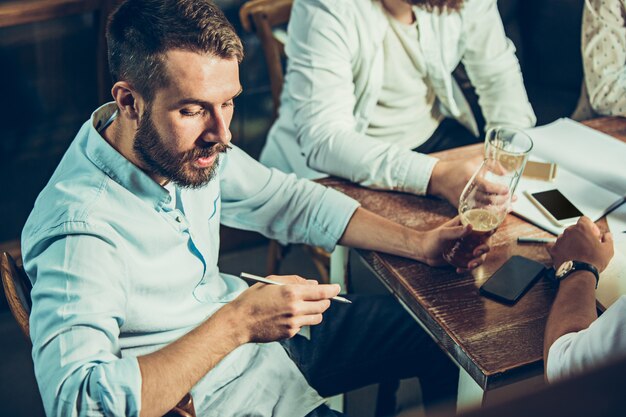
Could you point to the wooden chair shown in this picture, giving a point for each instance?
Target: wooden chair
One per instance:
(263, 17)
(267, 19)
(17, 288)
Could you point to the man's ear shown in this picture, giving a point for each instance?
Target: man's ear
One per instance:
(128, 100)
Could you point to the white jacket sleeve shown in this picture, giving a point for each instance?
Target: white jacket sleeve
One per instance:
(604, 56)
(493, 68)
(321, 88)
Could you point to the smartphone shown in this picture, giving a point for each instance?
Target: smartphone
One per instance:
(545, 171)
(512, 280)
(555, 206)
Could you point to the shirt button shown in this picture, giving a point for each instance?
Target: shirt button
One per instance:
(178, 219)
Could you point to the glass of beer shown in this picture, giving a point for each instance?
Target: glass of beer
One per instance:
(486, 199)
(510, 147)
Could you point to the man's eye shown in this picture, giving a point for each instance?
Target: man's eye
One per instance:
(190, 113)
(229, 103)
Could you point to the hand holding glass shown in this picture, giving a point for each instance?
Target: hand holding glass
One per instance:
(486, 199)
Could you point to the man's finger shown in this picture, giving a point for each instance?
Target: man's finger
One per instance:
(455, 232)
(455, 221)
(313, 307)
(288, 279)
(309, 320)
(481, 250)
(607, 238)
(319, 292)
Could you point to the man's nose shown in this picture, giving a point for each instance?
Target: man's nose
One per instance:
(217, 129)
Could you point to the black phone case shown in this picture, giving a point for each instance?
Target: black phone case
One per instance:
(511, 281)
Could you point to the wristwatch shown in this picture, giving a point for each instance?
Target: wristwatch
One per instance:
(567, 267)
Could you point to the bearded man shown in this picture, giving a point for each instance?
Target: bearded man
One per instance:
(369, 90)
(129, 308)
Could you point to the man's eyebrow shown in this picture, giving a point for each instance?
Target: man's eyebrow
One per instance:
(202, 103)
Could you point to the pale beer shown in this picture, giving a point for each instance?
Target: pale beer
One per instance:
(484, 223)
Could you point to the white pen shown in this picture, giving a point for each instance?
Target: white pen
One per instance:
(524, 239)
(269, 281)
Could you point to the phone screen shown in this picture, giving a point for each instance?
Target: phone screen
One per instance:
(512, 280)
(557, 204)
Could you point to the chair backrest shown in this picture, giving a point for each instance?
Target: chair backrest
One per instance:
(263, 17)
(17, 289)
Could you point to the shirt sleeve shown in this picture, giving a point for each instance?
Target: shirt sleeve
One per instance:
(604, 56)
(321, 91)
(601, 342)
(281, 206)
(78, 308)
(494, 70)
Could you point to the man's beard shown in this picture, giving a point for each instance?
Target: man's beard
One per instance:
(155, 154)
(438, 5)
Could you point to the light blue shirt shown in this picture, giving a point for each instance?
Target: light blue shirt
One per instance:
(121, 267)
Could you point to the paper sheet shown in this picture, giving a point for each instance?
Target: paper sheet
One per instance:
(583, 151)
(612, 283)
(590, 171)
(617, 223)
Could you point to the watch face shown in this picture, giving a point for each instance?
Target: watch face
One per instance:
(564, 268)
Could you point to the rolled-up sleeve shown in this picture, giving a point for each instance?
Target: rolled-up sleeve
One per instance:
(281, 206)
(78, 309)
(601, 342)
(322, 92)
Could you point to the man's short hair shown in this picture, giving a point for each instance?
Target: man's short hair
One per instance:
(140, 32)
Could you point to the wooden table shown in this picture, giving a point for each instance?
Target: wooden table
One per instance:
(493, 344)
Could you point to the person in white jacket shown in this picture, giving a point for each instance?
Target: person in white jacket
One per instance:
(369, 82)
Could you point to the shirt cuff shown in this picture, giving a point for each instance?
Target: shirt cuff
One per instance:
(334, 214)
(118, 387)
(416, 177)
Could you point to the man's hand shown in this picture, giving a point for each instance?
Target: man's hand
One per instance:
(268, 313)
(450, 177)
(583, 242)
(435, 241)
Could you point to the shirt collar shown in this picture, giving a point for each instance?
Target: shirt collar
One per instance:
(116, 166)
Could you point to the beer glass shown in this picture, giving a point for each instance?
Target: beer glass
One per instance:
(486, 199)
(510, 147)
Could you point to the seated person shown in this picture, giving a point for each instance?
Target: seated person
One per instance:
(369, 88)
(130, 310)
(576, 339)
(604, 59)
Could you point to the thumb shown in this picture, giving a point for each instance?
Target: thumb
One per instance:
(607, 238)
(454, 232)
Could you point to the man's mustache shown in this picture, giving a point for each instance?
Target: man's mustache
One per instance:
(206, 152)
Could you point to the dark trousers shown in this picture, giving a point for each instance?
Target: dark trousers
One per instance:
(449, 134)
(371, 340)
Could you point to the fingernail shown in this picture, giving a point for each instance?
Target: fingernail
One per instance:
(473, 265)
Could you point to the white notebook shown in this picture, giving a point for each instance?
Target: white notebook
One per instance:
(591, 171)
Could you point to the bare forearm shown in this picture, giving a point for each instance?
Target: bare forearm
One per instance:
(574, 308)
(169, 373)
(367, 230)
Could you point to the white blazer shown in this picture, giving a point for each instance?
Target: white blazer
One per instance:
(335, 76)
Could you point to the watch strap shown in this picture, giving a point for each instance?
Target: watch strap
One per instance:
(582, 266)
